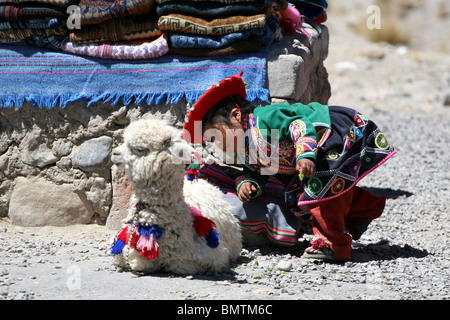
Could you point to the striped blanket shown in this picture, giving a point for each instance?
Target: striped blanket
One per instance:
(49, 79)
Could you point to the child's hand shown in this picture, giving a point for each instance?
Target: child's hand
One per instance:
(246, 191)
(306, 167)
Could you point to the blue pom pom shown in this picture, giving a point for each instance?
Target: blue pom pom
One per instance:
(212, 239)
(146, 231)
(117, 247)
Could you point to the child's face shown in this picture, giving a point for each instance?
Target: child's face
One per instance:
(226, 137)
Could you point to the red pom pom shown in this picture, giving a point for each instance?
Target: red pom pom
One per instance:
(202, 225)
(320, 243)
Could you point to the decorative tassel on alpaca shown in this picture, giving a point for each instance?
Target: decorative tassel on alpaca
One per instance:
(204, 227)
(121, 240)
(143, 239)
(146, 242)
(212, 239)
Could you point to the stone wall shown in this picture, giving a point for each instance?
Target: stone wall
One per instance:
(55, 164)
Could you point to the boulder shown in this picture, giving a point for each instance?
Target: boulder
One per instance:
(37, 202)
(92, 154)
(122, 191)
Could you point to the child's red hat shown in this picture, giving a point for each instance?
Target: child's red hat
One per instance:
(192, 129)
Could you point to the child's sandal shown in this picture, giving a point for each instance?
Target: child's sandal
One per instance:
(324, 254)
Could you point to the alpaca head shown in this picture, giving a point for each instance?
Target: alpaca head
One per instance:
(153, 152)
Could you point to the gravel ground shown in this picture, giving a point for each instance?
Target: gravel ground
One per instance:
(403, 255)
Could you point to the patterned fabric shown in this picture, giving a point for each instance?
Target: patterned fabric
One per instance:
(13, 13)
(25, 33)
(42, 23)
(133, 50)
(262, 35)
(127, 28)
(222, 1)
(52, 42)
(182, 23)
(58, 3)
(239, 47)
(211, 9)
(98, 11)
(49, 79)
(319, 3)
(267, 214)
(306, 147)
(355, 147)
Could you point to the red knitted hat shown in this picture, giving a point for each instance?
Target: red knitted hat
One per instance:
(226, 88)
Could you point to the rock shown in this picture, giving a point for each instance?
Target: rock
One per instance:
(121, 188)
(284, 83)
(373, 52)
(284, 265)
(345, 66)
(40, 157)
(402, 51)
(446, 100)
(92, 154)
(62, 147)
(43, 203)
(295, 69)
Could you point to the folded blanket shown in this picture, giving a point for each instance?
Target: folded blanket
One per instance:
(235, 48)
(223, 1)
(264, 35)
(57, 3)
(14, 13)
(319, 3)
(182, 23)
(119, 29)
(25, 33)
(50, 79)
(42, 23)
(211, 9)
(51, 42)
(98, 11)
(132, 50)
(313, 11)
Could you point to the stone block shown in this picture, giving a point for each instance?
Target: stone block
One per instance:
(39, 202)
(40, 157)
(295, 69)
(92, 154)
(122, 192)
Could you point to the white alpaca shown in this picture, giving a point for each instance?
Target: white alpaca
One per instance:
(153, 156)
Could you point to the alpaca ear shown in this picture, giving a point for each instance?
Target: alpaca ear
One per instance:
(181, 151)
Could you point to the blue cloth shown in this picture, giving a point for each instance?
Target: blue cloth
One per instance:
(49, 79)
(320, 3)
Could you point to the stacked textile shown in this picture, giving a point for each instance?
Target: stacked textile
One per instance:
(39, 23)
(117, 29)
(314, 10)
(218, 27)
